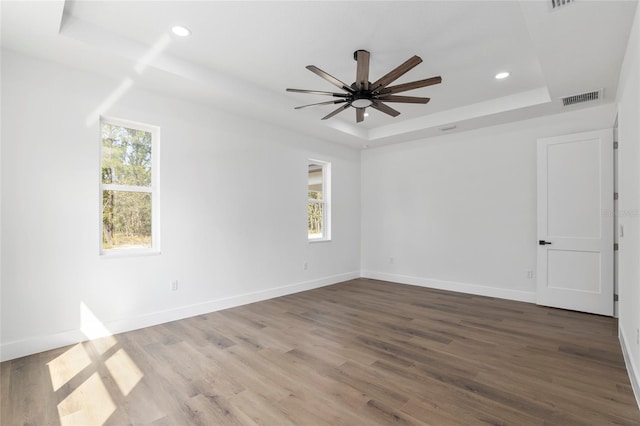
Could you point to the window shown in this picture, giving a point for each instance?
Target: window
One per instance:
(129, 187)
(319, 206)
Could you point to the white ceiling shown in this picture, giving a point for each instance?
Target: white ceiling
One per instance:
(242, 55)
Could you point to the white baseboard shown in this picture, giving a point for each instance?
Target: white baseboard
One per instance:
(481, 290)
(32, 345)
(632, 369)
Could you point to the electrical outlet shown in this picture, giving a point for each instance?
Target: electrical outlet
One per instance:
(174, 285)
(391, 260)
(529, 273)
(305, 266)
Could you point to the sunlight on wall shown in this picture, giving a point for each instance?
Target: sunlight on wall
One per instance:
(89, 404)
(155, 50)
(90, 325)
(101, 338)
(124, 371)
(109, 101)
(127, 83)
(66, 366)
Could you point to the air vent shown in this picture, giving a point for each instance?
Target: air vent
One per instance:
(582, 97)
(559, 3)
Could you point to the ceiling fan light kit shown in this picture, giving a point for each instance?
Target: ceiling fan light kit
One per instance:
(362, 94)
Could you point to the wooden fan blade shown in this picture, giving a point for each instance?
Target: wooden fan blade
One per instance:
(362, 72)
(405, 99)
(339, 110)
(317, 92)
(331, 79)
(339, 101)
(396, 72)
(410, 86)
(384, 108)
(359, 114)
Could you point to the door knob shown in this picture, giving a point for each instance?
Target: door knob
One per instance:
(543, 242)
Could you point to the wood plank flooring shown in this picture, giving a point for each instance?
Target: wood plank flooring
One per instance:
(363, 352)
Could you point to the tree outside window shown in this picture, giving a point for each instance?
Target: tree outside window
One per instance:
(318, 212)
(129, 196)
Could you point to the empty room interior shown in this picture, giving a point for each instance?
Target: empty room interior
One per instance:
(320, 213)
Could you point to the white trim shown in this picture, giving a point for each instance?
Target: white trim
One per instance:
(130, 124)
(31, 345)
(325, 201)
(632, 370)
(153, 189)
(481, 290)
(318, 240)
(326, 187)
(126, 188)
(129, 252)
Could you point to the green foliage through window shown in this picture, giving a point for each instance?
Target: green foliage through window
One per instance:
(314, 215)
(317, 206)
(126, 156)
(126, 187)
(126, 219)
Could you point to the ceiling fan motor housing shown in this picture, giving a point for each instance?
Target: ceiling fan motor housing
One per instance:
(361, 100)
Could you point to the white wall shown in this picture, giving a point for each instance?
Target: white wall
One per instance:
(233, 210)
(629, 205)
(458, 212)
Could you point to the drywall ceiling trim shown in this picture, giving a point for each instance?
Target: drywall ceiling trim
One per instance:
(80, 39)
(506, 103)
(348, 129)
(143, 57)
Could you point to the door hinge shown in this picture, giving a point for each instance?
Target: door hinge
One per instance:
(615, 297)
(615, 145)
(615, 195)
(616, 247)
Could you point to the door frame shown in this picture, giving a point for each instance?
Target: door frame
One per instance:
(602, 305)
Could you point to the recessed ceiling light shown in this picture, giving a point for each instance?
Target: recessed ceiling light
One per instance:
(181, 31)
(502, 75)
(366, 114)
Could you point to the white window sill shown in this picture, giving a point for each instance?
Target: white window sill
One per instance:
(320, 240)
(120, 253)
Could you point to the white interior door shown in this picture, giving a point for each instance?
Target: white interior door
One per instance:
(575, 222)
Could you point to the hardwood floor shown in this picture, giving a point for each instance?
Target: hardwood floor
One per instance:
(363, 352)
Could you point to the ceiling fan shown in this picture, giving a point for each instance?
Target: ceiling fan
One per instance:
(362, 93)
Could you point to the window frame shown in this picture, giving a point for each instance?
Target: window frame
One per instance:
(153, 189)
(326, 200)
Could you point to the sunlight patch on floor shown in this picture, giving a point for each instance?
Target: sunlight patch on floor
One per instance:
(124, 371)
(89, 404)
(68, 365)
(101, 345)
